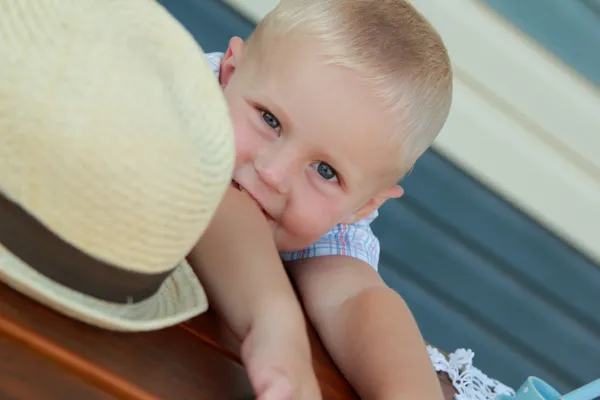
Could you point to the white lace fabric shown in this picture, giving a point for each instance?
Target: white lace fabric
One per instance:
(470, 382)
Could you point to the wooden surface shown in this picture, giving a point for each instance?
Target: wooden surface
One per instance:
(44, 355)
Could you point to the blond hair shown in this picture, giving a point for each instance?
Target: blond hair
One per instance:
(391, 45)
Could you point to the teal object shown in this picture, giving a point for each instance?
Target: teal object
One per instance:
(536, 389)
(586, 392)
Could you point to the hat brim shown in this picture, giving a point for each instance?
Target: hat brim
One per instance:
(179, 298)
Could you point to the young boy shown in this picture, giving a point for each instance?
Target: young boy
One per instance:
(332, 102)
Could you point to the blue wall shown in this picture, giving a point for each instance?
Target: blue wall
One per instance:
(476, 272)
(570, 29)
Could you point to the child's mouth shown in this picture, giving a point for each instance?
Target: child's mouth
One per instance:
(241, 189)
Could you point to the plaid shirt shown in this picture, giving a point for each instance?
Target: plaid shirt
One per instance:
(354, 240)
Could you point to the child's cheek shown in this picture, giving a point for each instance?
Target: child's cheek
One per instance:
(310, 225)
(243, 139)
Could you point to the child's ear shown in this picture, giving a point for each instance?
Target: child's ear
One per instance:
(374, 203)
(230, 60)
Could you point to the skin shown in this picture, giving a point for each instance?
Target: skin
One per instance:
(255, 297)
(313, 150)
(305, 148)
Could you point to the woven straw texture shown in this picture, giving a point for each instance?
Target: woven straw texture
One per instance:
(115, 135)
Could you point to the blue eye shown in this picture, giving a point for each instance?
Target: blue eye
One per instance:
(326, 171)
(270, 120)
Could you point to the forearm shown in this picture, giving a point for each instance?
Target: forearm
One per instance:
(240, 268)
(376, 343)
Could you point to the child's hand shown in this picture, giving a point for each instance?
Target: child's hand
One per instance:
(277, 356)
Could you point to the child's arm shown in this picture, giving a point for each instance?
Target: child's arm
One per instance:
(367, 328)
(240, 269)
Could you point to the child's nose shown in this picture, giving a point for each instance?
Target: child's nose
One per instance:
(274, 167)
(274, 180)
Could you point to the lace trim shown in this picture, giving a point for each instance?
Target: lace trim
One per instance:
(469, 382)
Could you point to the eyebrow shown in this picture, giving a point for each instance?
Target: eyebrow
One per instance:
(262, 101)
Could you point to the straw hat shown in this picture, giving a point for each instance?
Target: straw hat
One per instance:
(115, 149)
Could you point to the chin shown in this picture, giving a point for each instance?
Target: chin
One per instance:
(285, 245)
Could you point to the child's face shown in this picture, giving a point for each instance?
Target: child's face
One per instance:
(313, 145)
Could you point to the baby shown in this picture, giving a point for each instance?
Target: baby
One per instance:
(332, 102)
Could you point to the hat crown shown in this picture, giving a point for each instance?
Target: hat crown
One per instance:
(113, 130)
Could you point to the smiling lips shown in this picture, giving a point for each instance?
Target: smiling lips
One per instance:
(241, 189)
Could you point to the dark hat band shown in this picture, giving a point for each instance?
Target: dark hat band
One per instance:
(28, 239)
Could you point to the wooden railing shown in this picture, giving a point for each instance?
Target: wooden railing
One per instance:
(45, 355)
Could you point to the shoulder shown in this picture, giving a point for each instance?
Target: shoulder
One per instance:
(355, 240)
(214, 60)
